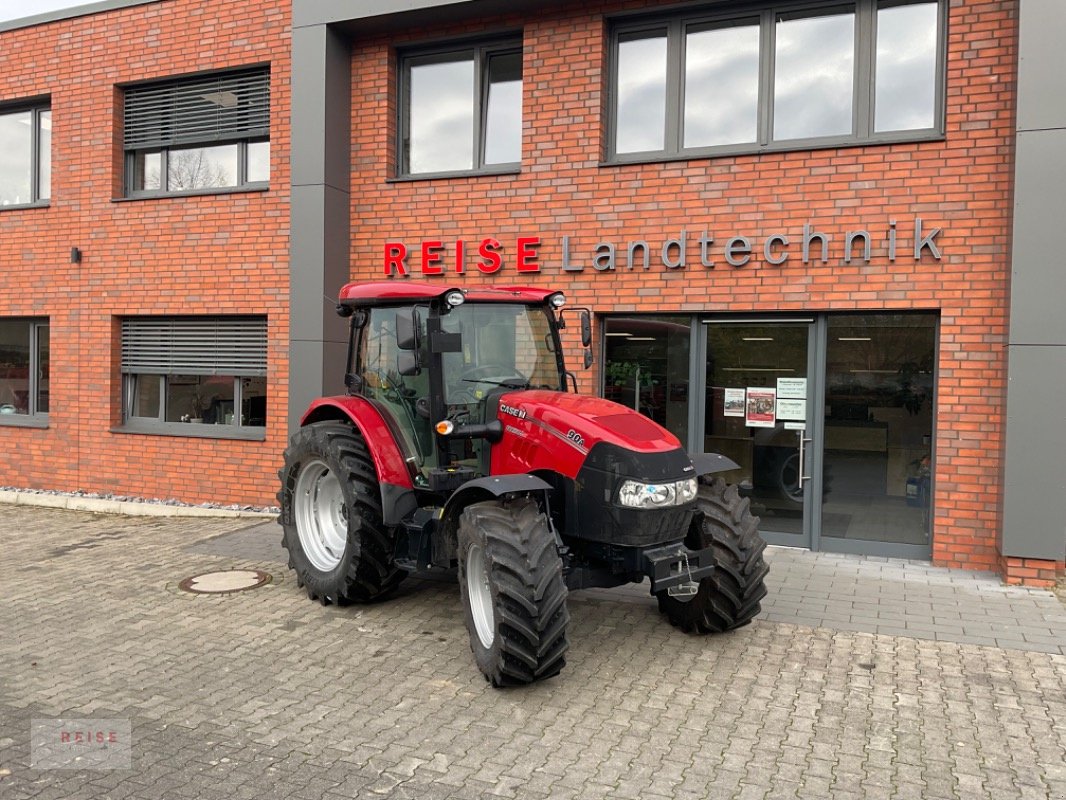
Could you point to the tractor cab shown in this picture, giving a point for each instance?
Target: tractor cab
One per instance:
(435, 363)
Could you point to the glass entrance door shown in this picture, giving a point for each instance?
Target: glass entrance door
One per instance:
(878, 429)
(757, 405)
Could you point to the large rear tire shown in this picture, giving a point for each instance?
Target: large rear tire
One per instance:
(331, 516)
(730, 597)
(513, 592)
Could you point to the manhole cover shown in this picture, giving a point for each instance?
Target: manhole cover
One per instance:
(231, 580)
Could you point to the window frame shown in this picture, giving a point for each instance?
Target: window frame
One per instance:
(242, 185)
(864, 84)
(34, 418)
(36, 106)
(158, 424)
(242, 142)
(482, 52)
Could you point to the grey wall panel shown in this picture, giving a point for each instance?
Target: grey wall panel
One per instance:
(1041, 65)
(317, 12)
(317, 370)
(1034, 500)
(318, 268)
(319, 215)
(373, 17)
(1038, 269)
(1034, 507)
(321, 107)
(318, 259)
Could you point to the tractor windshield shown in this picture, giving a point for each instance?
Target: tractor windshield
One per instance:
(503, 345)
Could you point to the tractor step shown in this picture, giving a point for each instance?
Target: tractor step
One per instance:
(414, 540)
(446, 480)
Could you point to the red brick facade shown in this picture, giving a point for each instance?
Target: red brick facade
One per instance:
(1031, 571)
(212, 254)
(961, 184)
(228, 253)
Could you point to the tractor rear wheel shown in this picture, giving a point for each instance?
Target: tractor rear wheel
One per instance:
(513, 593)
(331, 517)
(730, 597)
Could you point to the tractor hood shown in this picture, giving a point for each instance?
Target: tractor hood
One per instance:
(586, 421)
(555, 432)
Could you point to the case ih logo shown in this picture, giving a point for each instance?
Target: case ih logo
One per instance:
(806, 245)
(514, 412)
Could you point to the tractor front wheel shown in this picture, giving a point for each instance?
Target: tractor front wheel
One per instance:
(730, 597)
(331, 517)
(513, 593)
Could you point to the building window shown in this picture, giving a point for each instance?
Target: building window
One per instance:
(194, 375)
(24, 368)
(462, 110)
(200, 134)
(779, 77)
(25, 155)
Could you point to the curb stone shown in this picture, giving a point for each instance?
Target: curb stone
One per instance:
(100, 505)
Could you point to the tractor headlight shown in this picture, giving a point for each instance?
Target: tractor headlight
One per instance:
(634, 494)
(455, 298)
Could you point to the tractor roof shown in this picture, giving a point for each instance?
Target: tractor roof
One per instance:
(386, 292)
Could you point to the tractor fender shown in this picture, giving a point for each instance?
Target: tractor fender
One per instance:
(397, 490)
(479, 489)
(709, 463)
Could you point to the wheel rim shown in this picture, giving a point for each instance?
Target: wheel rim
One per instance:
(321, 516)
(480, 596)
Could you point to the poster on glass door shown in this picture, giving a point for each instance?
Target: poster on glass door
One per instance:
(761, 408)
(792, 400)
(733, 405)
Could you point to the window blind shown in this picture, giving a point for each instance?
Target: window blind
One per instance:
(200, 110)
(195, 346)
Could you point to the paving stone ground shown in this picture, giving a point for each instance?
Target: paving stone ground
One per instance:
(840, 690)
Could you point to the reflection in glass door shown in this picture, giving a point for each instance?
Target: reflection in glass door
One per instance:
(647, 368)
(755, 412)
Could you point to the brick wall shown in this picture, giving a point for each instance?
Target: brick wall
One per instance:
(184, 255)
(961, 184)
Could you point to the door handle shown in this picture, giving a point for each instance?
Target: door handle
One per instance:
(802, 449)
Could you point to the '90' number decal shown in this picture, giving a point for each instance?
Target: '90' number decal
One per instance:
(575, 437)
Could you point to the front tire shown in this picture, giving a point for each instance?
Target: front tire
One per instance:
(513, 592)
(331, 516)
(730, 597)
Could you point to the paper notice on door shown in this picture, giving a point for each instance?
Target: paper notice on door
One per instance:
(734, 403)
(792, 389)
(761, 408)
(791, 409)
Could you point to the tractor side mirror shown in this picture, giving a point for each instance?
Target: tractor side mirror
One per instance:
(586, 336)
(408, 341)
(407, 362)
(407, 329)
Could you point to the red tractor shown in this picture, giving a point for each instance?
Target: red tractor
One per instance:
(458, 444)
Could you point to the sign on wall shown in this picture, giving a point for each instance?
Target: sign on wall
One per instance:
(703, 250)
